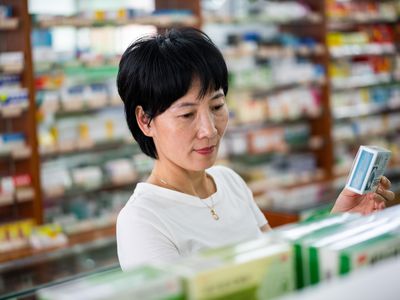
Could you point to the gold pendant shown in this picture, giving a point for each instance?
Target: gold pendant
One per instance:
(214, 214)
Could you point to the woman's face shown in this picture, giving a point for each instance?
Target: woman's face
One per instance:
(188, 133)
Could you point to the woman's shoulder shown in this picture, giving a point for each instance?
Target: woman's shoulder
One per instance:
(141, 200)
(225, 173)
(141, 208)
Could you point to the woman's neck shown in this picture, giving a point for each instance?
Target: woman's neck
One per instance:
(195, 183)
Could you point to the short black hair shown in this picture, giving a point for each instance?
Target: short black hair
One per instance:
(157, 70)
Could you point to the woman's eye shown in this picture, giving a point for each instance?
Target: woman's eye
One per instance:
(218, 107)
(187, 116)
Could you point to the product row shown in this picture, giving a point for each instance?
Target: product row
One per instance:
(288, 259)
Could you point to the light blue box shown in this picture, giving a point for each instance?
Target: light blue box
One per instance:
(369, 166)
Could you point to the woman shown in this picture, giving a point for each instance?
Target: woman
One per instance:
(173, 87)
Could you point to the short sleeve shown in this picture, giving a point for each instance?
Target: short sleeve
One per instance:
(260, 217)
(139, 241)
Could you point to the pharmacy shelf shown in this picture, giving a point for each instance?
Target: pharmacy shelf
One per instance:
(310, 19)
(339, 84)
(287, 181)
(17, 153)
(52, 153)
(357, 50)
(271, 52)
(13, 110)
(355, 111)
(43, 67)
(276, 88)
(21, 195)
(9, 23)
(82, 107)
(77, 243)
(357, 285)
(169, 20)
(236, 126)
(344, 23)
(281, 52)
(11, 69)
(74, 192)
(366, 138)
(313, 143)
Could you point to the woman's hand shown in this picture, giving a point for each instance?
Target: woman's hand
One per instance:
(349, 201)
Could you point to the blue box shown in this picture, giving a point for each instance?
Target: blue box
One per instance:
(368, 167)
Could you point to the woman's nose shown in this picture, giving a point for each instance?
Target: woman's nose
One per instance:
(207, 127)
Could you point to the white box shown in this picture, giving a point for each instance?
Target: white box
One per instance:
(368, 168)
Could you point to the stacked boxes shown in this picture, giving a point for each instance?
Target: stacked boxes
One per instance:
(145, 283)
(259, 269)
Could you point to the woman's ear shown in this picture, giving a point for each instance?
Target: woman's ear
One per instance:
(143, 121)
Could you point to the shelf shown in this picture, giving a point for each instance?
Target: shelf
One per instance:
(262, 91)
(296, 180)
(86, 107)
(357, 50)
(160, 21)
(313, 143)
(361, 81)
(21, 195)
(270, 52)
(344, 23)
(274, 52)
(9, 23)
(310, 19)
(17, 153)
(245, 126)
(88, 148)
(77, 243)
(60, 193)
(13, 110)
(11, 69)
(43, 67)
(366, 137)
(355, 111)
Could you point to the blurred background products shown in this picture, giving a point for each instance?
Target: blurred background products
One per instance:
(309, 82)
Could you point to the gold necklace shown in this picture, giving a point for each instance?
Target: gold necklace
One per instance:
(211, 208)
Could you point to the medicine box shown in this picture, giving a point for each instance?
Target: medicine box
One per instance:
(369, 165)
(254, 270)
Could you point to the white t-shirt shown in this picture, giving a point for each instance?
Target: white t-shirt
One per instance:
(161, 225)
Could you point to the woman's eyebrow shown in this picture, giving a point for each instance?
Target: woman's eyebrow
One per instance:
(185, 104)
(191, 104)
(219, 94)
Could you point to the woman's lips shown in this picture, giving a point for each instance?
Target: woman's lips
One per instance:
(205, 151)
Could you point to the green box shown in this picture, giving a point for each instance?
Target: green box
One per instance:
(296, 233)
(144, 283)
(259, 269)
(328, 256)
(369, 252)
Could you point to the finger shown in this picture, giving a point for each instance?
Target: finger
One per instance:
(386, 194)
(378, 199)
(385, 182)
(379, 205)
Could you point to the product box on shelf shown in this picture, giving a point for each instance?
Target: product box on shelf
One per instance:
(13, 96)
(6, 11)
(47, 236)
(355, 251)
(145, 283)
(15, 235)
(258, 269)
(368, 168)
(313, 271)
(11, 142)
(295, 233)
